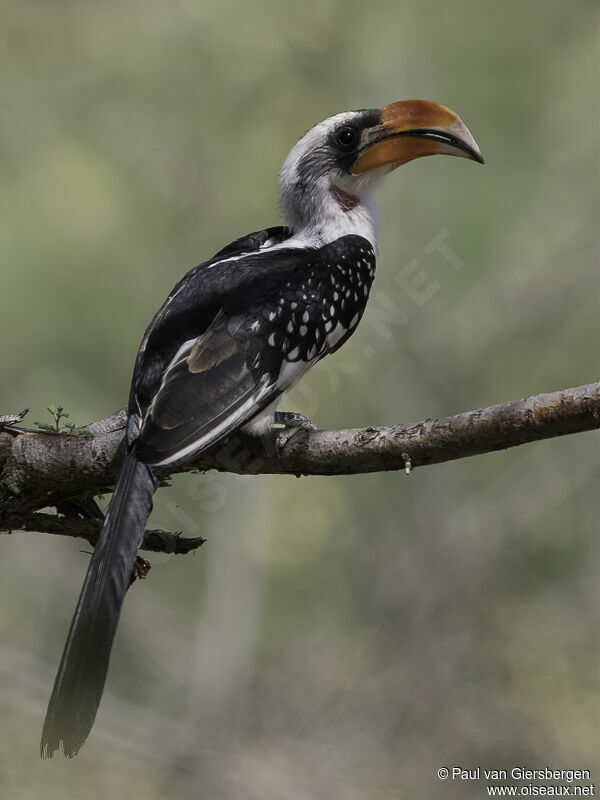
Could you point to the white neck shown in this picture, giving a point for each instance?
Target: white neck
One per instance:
(312, 186)
(322, 218)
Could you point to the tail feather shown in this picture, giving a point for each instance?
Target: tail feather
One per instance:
(82, 671)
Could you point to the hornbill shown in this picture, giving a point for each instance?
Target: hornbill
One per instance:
(231, 337)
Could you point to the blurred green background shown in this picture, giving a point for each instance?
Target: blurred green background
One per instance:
(336, 637)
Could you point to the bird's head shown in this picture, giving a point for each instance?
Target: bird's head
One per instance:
(327, 180)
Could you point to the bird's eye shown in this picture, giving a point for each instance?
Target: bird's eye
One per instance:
(346, 137)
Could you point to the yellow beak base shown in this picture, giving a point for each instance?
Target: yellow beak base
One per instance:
(412, 129)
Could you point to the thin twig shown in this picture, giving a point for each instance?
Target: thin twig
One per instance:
(155, 541)
(12, 419)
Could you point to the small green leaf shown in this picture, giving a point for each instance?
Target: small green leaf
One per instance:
(43, 426)
(59, 414)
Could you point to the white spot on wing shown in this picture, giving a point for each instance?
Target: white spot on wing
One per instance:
(334, 337)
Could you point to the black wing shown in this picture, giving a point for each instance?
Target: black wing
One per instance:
(234, 334)
(187, 312)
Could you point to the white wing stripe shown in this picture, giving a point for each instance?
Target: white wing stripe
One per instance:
(289, 374)
(234, 421)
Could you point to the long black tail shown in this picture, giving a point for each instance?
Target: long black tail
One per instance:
(82, 672)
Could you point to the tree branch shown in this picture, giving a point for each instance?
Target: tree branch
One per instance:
(155, 541)
(42, 469)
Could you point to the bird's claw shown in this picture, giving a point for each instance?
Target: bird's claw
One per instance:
(140, 570)
(293, 422)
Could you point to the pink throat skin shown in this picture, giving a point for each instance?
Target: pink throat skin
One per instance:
(345, 200)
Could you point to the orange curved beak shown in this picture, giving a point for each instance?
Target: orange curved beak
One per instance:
(411, 129)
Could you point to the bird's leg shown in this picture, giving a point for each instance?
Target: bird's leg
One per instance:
(140, 570)
(292, 422)
(292, 419)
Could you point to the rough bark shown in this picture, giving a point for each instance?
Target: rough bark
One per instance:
(39, 470)
(155, 541)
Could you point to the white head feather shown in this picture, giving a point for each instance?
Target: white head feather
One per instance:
(308, 175)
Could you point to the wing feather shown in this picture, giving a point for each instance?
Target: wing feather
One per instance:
(234, 335)
(206, 395)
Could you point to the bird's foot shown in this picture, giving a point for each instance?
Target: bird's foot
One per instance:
(292, 422)
(141, 569)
